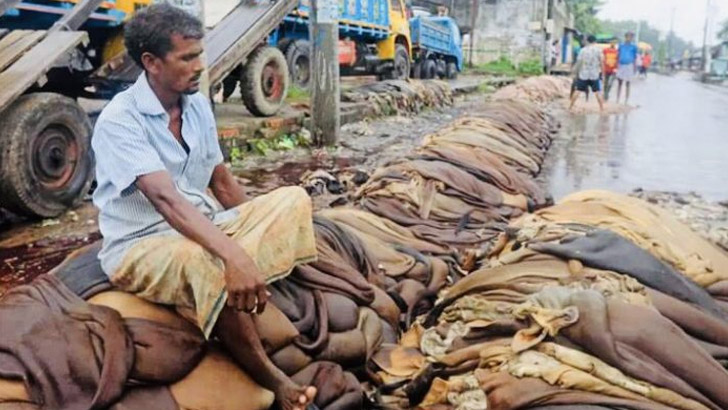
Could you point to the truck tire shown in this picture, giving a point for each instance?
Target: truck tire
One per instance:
(284, 44)
(298, 57)
(46, 165)
(429, 69)
(401, 69)
(452, 70)
(441, 69)
(417, 69)
(264, 82)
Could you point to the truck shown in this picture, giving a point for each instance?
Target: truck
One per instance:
(53, 52)
(436, 47)
(374, 39)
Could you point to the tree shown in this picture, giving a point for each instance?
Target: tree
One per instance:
(585, 15)
(723, 33)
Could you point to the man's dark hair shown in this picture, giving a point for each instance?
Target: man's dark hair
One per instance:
(591, 39)
(150, 30)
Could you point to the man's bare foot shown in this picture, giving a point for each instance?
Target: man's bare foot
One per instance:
(290, 396)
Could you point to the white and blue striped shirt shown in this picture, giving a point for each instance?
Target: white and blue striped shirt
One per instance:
(131, 139)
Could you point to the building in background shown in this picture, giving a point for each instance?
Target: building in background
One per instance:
(519, 30)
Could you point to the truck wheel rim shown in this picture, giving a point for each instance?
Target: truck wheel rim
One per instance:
(272, 82)
(400, 66)
(55, 156)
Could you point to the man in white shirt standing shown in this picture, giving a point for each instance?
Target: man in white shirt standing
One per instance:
(589, 67)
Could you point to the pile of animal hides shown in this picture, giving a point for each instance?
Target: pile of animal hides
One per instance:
(450, 282)
(392, 97)
(540, 89)
(709, 219)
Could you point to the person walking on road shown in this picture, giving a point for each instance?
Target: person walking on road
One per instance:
(589, 68)
(627, 65)
(611, 61)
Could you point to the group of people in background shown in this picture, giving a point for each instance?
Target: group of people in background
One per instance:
(596, 66)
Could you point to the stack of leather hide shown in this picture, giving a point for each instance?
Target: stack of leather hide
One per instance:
(467, 180)
(400, 96)
(541, 89)
(602, 302)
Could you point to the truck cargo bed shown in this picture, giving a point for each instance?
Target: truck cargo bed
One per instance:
(226, 45)
(27, 55)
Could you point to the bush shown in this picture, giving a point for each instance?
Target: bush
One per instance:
(504, 66)
(531, 67)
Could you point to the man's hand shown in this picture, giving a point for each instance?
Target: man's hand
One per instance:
(244, 284)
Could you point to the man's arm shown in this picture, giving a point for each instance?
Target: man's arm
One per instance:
(244, 282)
(226, 189)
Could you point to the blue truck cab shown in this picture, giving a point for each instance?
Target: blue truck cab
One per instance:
(436, 47)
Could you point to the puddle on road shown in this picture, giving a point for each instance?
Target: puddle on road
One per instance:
(674, 141)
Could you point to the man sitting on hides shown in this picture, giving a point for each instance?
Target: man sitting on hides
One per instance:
(165, 238)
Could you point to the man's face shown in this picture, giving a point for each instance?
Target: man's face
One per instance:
(180, 70)
(628, 38)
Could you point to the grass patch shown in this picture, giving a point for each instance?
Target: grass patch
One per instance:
(531, 67)
(297, 94)
(264, 146)
(505, 67)
(501, 66)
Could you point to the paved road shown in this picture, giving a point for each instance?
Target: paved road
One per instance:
(675, 140)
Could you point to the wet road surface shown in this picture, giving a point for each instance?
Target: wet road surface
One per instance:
(676, 139)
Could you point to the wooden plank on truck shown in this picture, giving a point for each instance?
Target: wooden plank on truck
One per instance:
(16, 43)
(78, 15)
(241, 31)
(35, 63)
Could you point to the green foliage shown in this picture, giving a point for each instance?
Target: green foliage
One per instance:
(505, 67)
(297, 94)
(236, 154)
(723, 31)
(501, 66)
(585, 15)
(264, 146)
(531, 67)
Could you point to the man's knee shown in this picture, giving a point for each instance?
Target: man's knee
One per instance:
(293, 196)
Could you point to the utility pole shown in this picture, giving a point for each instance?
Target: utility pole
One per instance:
(671, 36)
(473, 21)
(325, 115)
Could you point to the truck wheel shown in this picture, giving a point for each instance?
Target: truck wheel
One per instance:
(417, 70)
(429, 69)
(264, 82)
(441, 69)
(46, 165)
(452, 70)
(298, 57)
(284, 44)
(401, 69)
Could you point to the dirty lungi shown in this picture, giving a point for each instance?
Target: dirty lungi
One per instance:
(275, 229)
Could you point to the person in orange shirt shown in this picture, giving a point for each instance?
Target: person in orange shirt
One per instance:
(611, 58)
(646, 62)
